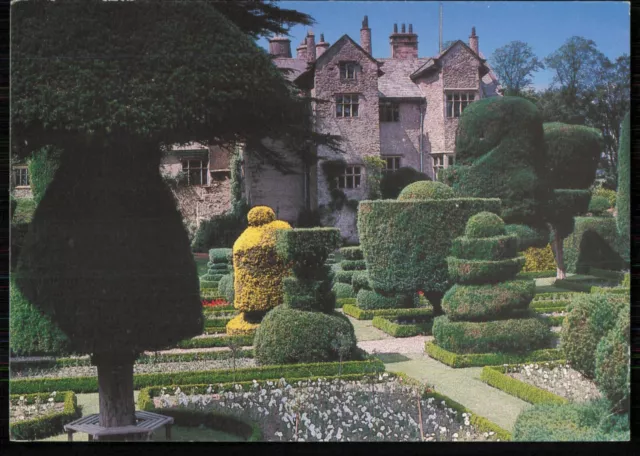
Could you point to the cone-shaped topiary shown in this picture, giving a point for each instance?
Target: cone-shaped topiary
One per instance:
(258, 269)
(426, 190)
(485, 312)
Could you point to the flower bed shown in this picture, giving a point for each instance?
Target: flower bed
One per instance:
(217, 303)
(489, 359)
(361, 314)
(542, 383)
(403, 328)
(336, 410)
(40, 415)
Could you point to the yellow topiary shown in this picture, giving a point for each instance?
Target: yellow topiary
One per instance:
(258, 270)
(238, 326)
(539, 259)
(261, 215)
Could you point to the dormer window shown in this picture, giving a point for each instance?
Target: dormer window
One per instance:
(348, 70)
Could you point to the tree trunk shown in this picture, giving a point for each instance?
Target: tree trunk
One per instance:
(115, 383)
(560, 270)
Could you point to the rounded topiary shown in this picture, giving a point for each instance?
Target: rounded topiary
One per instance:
(220, 255)
(491, 248)
(612, 362)
(483, 225)
(260, 215)
(370, 300)
(309, 295)
(590, 317)
(422, 190)
(295, 336)
(343, 290)
(360, 281)
(529, 236)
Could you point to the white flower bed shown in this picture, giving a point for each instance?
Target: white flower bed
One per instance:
(20, 410)
(561, 380)
(336, 411)
(143, 368)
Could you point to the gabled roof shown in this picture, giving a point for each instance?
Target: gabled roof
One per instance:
(297, 66)
(396, 81)
(437, 60)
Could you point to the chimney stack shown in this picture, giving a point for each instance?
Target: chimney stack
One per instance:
(404, 45)
(311, 47)
(280, 47)
(365, 35)
(473, 41)
(321, 46)
(301, 51)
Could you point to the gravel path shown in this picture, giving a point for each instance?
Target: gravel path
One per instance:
(402, 345)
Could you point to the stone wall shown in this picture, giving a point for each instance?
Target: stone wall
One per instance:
(403, 137)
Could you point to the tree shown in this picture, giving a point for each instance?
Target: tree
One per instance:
(572, 160)
(514, 64)
(112, 84)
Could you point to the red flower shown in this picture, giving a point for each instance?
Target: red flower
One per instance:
(214, 303)
(421, 293)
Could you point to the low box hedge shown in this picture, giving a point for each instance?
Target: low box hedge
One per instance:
(402, 330)
(536, 274)
(495, 376)
(490, 359)
(90, 384)
(351, 253)
(210, 330)
(210, 293)
(539, 306)
(614, 290)
(353, 265)
(361, 314)
(210, 342)
(209, 284)
(340, 303)
(48, 425)
(216, 322)
(370, 300)
(219, 312)
(554, 296)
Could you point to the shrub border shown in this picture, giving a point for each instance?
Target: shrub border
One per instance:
(496, 377)
(489, 359)
(48, 425)
(362, 314)
(394, 329)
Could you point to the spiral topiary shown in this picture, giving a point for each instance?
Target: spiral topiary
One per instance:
(426, 190)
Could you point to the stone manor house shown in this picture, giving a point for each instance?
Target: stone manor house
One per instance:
(403, 109)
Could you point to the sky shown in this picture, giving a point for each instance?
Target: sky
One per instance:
(545, 26)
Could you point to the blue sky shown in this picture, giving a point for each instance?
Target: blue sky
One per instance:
(544, 25)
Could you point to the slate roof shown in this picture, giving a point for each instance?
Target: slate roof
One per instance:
(297, 65)
(396, 81)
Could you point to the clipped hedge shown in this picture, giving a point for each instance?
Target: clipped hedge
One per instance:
(550, 304)
(308, 248)
(529, 236)
(360, 281)
(48, 425)
(343, 290)
(613, 362)
(485, 302)
(592, 244)
(484, 225)
(509, 335)
(489, 359)
(353, 265)
(618, 276)
(221, 256)
(344, 276)
(494, 376)
(613, 290)
(598, 206)
(361, 314)
(483, 271)
(405, 243)
(210, 342)
(569, 284)
(345, 301)
(395, 329)
(370, 300)
(537, 275)
(422, 190)
(351, 253)
(623, 203)
(490, 248)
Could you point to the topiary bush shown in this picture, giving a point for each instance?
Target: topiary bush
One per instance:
(296, 336)
(484, 225)
(426, 190)
(609, 194)
(539, 259)
(592, 244)
(370, 300)
(353, 265)
(613, 363)
(343, 290)
(598, 206)
(393, 182)
(344, 276)
(489, 248)
(360, 281)
(225, 287)
(590, 317)
(529, 236)
(351, 253)
(623, 205)
(483, 271)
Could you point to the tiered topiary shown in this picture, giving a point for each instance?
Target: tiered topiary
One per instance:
(305, 328)
(405, 242)
(352, 262)
(487, 310)
(258, 270)
(220, 264)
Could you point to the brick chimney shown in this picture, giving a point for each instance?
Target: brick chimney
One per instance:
(365, 35)
(301, 51)
(311, 47)
(280, 46)
(321, 46)
(473, 41)
(404, 45)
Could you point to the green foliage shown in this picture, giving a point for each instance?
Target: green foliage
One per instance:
(626, 281)
(536, 275)
(387, 227)
(521, 390)
(370, 300)
(307, 248)
(374, 166)
(529, 236)
(294, 336)
(574, 422)
(394, 329)
(623, 205)
(613, 363)
(456, 360)
(220, 256)
(353, 265)
(351, 253)
(484, 225)
(42, 167)
(343, 290)
(483, 271)
(308, 294)
(211, 342)
(422, 190)
(514, 64)
(340, 303)
(509, 335)
(488, 248)
(539, 260)
(344, 276)
(31, 331)
(500, 154)
(592, 244)
(394, 181)
(609, 194)
(225, 287)
(542, 306)
(590, 318)
(221, 230)
(486, 302)
(360, 281)
(47, 425)
(361, 314)
(563, 206)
